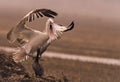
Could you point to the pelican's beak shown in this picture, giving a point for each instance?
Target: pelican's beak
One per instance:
(70, 27)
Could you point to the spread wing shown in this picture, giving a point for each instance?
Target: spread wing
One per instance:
(16, 32)
(37, 13)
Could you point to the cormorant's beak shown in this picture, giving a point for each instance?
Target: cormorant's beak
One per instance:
(70, 27)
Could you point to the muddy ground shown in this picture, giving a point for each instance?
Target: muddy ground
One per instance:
(15, 72)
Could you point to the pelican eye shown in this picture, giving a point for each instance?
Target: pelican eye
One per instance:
(50, 26)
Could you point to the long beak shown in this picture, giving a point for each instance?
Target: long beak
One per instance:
(70, 27)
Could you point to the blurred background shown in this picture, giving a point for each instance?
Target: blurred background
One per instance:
(96, 33)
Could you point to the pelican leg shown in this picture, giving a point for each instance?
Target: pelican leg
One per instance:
(43, 49)
(38, 69)
(38, 52)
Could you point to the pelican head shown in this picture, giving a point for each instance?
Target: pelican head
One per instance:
(55, 30)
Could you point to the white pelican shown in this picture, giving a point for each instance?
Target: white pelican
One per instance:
(31, 40)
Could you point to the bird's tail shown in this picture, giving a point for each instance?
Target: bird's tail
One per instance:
(20, 56)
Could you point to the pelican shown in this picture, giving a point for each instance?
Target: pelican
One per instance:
(30, 40)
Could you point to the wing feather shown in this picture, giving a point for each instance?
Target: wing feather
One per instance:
(38, 13)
